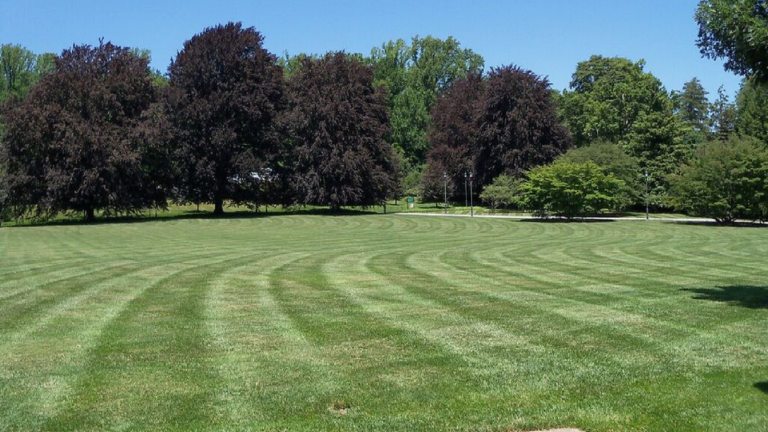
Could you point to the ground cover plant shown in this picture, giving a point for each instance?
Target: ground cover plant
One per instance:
(383, 322)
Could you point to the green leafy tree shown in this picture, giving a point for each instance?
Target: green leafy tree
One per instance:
(338, 126)
(78, 141)
(692, 107)
(614, 99)
(414, 75)
(569, 190)
(726, 180)
(724, 116)
(501, 193)
(737, 31)
(752, 110)
(614, 160)
(226, 91)
(17, 67)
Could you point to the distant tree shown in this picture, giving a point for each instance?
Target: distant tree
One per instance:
(723, 116)
(414, 75)
(452, 134)
(737, 31)
(569, 190)
(338, 123)
(726, 180)
(76, 141)
(752, 110)
(692, 107)
(614, 99)
(501, 192)
(225, 93)
(517, 125)
(607, 96)
(17, 65)
(612, 159)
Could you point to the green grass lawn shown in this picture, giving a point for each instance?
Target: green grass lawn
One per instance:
(383, 322)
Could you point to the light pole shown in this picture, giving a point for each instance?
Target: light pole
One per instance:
(647, 194)
(471, 204)
(445, 192)
(465, 189)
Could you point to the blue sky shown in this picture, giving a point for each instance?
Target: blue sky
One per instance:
(548, 37)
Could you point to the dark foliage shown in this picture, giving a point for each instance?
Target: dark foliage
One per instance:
(452, 133)
(225, 92)
(339, 125)
(517, 125)
(84, 139)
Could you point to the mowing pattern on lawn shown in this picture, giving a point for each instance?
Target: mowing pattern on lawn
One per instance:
(383, 323)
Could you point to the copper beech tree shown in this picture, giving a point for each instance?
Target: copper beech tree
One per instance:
(338, 124)
(225, 93)
(85, 138)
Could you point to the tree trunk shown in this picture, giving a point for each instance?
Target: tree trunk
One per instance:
(218, 206)
(90, 216)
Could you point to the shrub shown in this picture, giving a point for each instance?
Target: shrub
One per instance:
(726, 180)
(570, 190)
(500, 193)
(613, 160)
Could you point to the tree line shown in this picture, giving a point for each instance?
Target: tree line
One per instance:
(96, 129)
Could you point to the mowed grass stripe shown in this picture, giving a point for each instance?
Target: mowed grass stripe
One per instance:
(383, 322)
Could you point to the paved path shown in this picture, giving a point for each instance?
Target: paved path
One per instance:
(595, 218)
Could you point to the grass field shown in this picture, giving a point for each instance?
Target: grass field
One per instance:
(383, 322)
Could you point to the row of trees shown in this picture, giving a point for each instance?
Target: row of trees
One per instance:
(98, 132)
(231, 122)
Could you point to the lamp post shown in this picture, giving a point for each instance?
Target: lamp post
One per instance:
(471, 204)
(647, 194)
(465, 189)
(445, 192)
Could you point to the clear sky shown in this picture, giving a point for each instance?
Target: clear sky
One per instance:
(546, 36)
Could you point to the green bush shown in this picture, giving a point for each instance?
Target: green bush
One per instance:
(613, 160)
(500, 193)
(726, 180)
(570, 190)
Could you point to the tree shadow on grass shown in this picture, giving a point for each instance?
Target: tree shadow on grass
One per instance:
(762, 386)
(749, 296)
(191, 214)
(558, 220)
(721, 225)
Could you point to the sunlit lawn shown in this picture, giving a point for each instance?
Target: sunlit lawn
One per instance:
(383, 322)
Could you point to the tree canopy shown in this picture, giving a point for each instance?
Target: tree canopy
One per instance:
(338, 127)
(414, 75)
(725, 180)
(225, 94)
(737, 31)
(75, 142)
(752, 109)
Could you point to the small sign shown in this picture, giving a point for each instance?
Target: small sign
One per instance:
(410, 202)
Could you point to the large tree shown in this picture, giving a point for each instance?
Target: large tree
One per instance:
(737, 31)
(692, 107)
(452, 134)
(752, 109)
(339, 125)
(517, 125)
(226, 91)
(414, 75)
(614, 99)
(77, 141)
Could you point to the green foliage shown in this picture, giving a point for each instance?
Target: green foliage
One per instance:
(726, 180)
(737, 31)
(570, 190)
(614, 99)
(692, 107)
(501, 193)
(723, 116)
(20, 69)
(752, 110)
(413, 75)
(613, 160)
